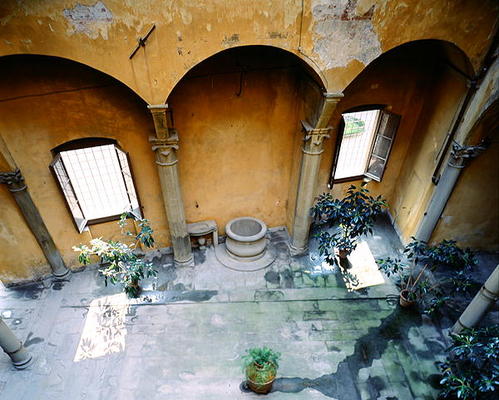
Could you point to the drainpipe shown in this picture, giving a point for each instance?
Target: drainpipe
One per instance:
(14, 348)
(484, 299)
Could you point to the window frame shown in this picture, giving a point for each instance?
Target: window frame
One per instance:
(84, 143)
(339, 140)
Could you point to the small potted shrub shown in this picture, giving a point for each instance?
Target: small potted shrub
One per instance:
(260, 367)
(353, 216)
(414, 279)
(120, 263)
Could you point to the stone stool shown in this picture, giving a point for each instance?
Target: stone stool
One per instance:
(202, 228)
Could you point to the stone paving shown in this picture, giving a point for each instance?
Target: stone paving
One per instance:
(183, 338)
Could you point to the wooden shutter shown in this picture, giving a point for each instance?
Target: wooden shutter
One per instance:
(72, 202)
(126, 172)
(385, 135)
(339, 139)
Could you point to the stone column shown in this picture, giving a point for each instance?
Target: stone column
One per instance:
(312, 150)
(459, 157)
(484, 299)
(165, 145)
(14, 347)
(15, 183)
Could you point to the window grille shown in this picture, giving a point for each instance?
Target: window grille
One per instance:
(364, 145)
(96, 181)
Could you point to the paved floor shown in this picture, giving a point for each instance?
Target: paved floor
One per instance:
(184, 337)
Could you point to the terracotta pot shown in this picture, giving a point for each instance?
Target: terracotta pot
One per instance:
(261, 388)
(343, 254)
(404, 299)
(135, 285)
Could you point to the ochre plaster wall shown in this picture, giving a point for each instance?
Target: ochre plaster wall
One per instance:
(426, 95)
(46, 102)
(236, 144)
(414, 186)
(472, 214)
(20, 256)
(337, 37)
(222, 135)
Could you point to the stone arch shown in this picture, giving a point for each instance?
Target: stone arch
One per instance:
(33, 58)
(46, 101)
(313, 71)
(424, 82)
(238, 117)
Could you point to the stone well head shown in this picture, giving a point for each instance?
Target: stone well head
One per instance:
(246, 238)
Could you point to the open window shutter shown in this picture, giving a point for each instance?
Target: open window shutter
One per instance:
(383, 141)
(128, 180)
(339, 139)
(60, 173)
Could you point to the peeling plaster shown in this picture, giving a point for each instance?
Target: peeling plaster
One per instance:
(231, 41)
(90, 20)
(186, 16)
(343, 31)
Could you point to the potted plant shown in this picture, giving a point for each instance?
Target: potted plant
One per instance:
(415, 281)
(412, 285)
(353, 216)
(471, 370)
(120, 262)
(260, 367)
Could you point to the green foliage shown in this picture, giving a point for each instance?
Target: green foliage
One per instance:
(260, 364)
(472, 366)
(421, 258)
(353, 125)
(120, 264)
(354, 215)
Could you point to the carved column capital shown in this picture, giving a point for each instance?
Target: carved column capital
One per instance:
(315, 138)
(14, 180)
(460, 154)
(165, 148)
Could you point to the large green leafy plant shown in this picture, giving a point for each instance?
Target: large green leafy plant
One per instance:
(120, 262)
(413, 273)
(471, 370)
(353, 216)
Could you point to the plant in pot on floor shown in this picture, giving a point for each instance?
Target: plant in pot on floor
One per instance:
(415, 277)
(352, 216)
(260, 366)
(120, 262)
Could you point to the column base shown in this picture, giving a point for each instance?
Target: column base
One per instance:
(297, 251)
(184, 263)
(23, 364)
(458, 327)
(21, 358)
(61, 273)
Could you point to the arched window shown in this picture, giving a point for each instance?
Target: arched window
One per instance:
(96, 180)
(366, 137)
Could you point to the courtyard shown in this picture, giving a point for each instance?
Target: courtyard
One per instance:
(184, 337)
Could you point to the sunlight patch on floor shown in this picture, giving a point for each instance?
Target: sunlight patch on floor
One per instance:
(104, 331)
(363, 270)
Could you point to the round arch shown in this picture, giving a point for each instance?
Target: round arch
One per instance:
(264, 56)
(439, 50)
(33, 58)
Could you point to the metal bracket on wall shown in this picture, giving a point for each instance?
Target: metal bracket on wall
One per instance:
(141, 41)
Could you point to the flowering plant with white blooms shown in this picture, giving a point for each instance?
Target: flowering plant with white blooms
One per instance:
(119, 261)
